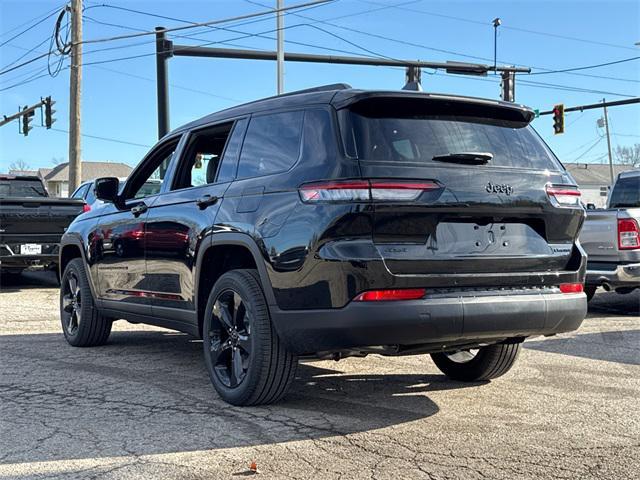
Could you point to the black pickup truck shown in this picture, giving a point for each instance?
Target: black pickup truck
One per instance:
(31, 223)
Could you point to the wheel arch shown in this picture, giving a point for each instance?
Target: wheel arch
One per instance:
(225, 252)
(70, 248)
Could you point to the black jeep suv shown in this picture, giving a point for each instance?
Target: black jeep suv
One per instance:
(336, 222)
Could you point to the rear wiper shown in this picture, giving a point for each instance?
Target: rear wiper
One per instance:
(467, 158)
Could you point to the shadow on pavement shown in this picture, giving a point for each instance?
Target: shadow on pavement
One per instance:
(611, 303)
(148, 392)
(12, 282)
(620, 346)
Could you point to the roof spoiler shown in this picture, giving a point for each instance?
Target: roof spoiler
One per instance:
(322, 88)
(518, 115)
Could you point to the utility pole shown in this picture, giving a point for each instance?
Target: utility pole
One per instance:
(75, 165)
(606, 124)
(280, 46)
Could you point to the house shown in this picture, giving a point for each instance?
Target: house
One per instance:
(594, 180)
(57, 179)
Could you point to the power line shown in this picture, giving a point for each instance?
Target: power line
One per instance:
(209, 23)
(97, 137)
(575, 160)
(440, 50)
(7, 70)
(574, 69)
(526, 30)
(52, 13)
(233, 30)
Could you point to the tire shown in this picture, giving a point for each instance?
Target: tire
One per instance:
(245, 358)
(82, 324)
(590, 291)
(488, 363)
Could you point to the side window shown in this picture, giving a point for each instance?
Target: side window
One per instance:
(80, 192)
(203, 156)
(271, 145)
(91, 196)
(148, 180)
(227, 170)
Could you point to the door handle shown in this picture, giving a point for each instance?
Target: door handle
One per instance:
(206, 200)
(139, 209)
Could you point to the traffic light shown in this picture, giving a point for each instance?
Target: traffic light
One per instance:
(558, 118)
(26, 122)
(48, 112)
(508, 87)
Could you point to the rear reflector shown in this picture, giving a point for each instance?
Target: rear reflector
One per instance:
(86, 208)
(571, 287)
(391, 295)
(628, 234)
(564, 195)
(365, 190)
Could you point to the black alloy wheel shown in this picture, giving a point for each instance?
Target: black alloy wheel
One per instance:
(247, 362)
(71, 304)
(230, 338)
(82, 323)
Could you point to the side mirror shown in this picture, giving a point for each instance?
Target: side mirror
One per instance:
(591, 206)
(106, 189)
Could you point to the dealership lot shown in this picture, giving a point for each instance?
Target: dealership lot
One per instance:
(143, 407)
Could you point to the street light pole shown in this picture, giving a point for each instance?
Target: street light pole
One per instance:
(496, 23)
(280, 46)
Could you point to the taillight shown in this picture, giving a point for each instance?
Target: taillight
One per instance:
(564, 195)
(86, 208)
(571, 287)
(365, 190)
(391, 295)
(628, 234)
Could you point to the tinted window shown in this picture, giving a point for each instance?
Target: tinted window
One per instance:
(81, 191)
(22, 188)
(626, 193)
(227, 170)
(271, 145)
(148, 179)
(203, 156)
(420, 137)
(91, 196)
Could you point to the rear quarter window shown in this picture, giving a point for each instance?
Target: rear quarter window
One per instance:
(271, 144)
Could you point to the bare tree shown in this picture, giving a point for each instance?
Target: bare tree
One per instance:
(19, 165)
(57, 161)
(628, 155)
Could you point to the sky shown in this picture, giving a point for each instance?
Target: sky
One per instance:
(119, 97)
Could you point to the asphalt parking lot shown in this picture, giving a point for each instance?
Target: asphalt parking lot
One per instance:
(142, 407)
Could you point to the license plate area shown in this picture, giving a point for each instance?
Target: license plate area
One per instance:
(30, 249)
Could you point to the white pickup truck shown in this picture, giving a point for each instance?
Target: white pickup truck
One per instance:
(611, 238)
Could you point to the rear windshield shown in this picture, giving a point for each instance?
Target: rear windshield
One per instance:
(626, 193)
(417, 138)
(21, 188)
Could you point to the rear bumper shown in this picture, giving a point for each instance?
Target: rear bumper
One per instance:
(441, 321)
(623, 275)
(10, 260)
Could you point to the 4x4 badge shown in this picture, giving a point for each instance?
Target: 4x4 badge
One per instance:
(502, 188)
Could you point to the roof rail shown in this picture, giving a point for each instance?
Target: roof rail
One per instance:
(321, 88)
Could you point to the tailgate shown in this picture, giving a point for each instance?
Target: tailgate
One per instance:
(599, 237)
(491, 212)
(22, 217)
(471, 228)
